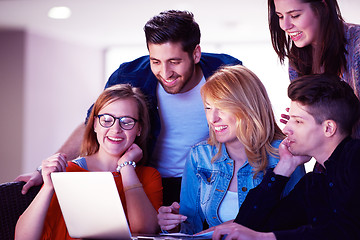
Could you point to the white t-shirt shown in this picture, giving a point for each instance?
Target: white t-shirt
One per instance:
(183, 124)
(229, 207)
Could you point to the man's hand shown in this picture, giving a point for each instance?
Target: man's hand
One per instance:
(71, 149)
(57, 162)
(231, 230)
(288, 162)
(223, 225)
(31, 179)
(169, 217)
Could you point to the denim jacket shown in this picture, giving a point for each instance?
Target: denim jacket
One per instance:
(204, 184)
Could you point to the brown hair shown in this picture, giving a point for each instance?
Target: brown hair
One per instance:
(330, 53)
(175, 27)
(90, 144)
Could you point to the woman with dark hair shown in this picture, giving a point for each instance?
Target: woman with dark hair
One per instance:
(314, 37)
(114, 140)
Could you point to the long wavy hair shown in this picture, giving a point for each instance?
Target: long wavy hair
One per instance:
(90, 144)
(238, 90)
(330, 54)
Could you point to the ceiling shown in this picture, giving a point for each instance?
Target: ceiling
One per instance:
(105, 23)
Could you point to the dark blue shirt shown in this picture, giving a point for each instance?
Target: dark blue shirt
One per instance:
(138, 73)
(321, 206)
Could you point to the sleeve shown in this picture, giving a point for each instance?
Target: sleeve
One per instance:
(210, 62)
(290, 217)
(230, 60)
(264, 210)
(355, 73)
(295, 176)
(115, 77)
(190, 198)
(292, 74)
(261, 200)
(344, 221)
(152, 184)
(354, 60)
(294, 179)
(289, 213)
(356, 68)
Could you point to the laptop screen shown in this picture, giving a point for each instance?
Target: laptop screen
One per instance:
(91, 205)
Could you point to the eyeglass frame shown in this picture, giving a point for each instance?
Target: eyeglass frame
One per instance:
(117, 118)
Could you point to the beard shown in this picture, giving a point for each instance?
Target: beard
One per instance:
(181, 83)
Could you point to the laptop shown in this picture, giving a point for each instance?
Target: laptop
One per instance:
(91, 205)
(92, 209)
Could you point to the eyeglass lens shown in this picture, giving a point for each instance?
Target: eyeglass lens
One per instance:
(107, 120)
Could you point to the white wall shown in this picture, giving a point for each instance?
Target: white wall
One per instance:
(62, 81)
(47, 86)
(11, 102)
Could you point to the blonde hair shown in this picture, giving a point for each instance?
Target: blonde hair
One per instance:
(238, 90)
(90, 145)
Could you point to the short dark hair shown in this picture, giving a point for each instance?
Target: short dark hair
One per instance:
(173, 26)
(327, 98)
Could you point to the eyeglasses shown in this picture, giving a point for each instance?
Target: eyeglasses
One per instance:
(125, 122)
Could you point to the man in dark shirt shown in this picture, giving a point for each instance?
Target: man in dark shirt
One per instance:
(323, 205)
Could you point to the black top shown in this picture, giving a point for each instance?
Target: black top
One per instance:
(321, 206)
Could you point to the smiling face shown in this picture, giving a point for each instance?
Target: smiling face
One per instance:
(114, 140)
(299, 21)
(173, 67)
(305, 135)
(222, 123)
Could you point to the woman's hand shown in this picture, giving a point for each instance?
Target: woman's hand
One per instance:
(55, 163)
(169, 217)
(133, 153)
(285, 117)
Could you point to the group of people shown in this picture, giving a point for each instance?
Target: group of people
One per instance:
(193, 143)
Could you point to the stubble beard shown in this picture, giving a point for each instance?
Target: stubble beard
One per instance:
(178, 87)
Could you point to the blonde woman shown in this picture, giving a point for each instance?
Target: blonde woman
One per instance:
(243, 144)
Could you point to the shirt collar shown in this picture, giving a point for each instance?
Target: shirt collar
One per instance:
(225, 156)
(335, 156)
